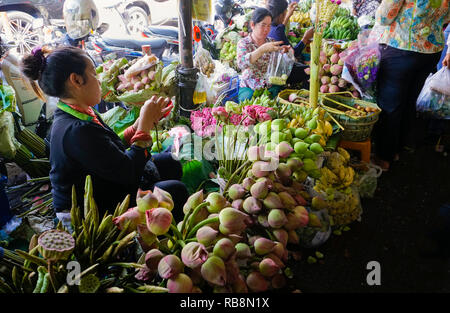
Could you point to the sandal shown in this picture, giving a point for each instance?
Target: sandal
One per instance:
(381, 163)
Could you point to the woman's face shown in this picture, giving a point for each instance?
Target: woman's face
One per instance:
(92, 92)
(262, 29)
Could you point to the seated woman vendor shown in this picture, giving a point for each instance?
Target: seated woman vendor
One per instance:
(82, 144)
(253, 55)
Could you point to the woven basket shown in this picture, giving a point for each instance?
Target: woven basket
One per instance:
(355, 129)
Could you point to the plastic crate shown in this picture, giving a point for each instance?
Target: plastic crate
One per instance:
(232, 93)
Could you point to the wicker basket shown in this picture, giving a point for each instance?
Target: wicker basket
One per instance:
(355, 129)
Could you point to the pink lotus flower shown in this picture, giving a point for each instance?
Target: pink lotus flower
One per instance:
(132, 215)
(158, 220)
(194, 254)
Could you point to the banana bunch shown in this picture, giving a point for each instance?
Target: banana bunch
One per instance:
(327, 10)
(342, 28)
(345, 210)
(302, 18)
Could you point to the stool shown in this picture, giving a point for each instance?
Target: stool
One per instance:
(363, 147)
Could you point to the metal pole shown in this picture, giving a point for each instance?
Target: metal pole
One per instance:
(187, 74)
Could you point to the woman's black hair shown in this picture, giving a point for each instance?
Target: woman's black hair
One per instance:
(277, 7)
(52, 68)
(259, 14)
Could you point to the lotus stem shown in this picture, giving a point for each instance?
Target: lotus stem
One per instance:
(176, 231)
(193, 213)
(201, 224)
(234, 174)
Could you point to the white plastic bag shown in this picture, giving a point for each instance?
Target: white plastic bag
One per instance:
(367, 183)
(204, 62)
(434, 99)
(280, 67)
(440, 82)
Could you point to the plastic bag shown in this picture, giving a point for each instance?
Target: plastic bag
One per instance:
(8, 143)
(362, 60)
(440, 82)
(280, 67)
(203, 10)
(204, 61)
(367, 183)
(433, 98)
(200, 96)
(315, 236)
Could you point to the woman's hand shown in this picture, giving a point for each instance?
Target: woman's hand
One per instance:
(309, 34)
(271, 46)
(290, 10)
(446, 61)
(151, 112)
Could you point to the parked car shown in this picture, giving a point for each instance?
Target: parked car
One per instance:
(26, 18)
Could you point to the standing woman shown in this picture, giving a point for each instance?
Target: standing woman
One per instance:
(82, 144)
(411, 44)
(253, 55)
(281, 13)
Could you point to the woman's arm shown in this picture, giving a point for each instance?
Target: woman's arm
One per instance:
(388, 11)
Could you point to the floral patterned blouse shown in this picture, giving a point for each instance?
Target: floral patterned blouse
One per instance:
(414, 25)
(253, 75)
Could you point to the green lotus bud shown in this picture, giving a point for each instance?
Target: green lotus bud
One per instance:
(294, 164)
(158, 220)
(206, 235)
(283, 170)
(281, 235)
(268, 267)
(263, 246)
(252, 205)
(279, 249)
(301, 133)
(277, 137)
(196, 289)
(247, 183)
(284, 149)
(276, 218)
(233, 219)
(293, 237)
(180, 284)
(238, 204)
(202, 214)
(255, 153)
(278, 124)
(152, 258)
(164, 198)
(55, 245)
(170, 266)
(261, 169)
(193, 201)
(263, 221)
(272, 201)
(145, 235)
(276, 259)
(213, 271)
(287, 200)
(236, 191)
(252, 239)
(224, 248)
(239, 285)
(216, 202)
(242, 251)
(256, 282)
(259, 190)
(194, 254)
(146, 200)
